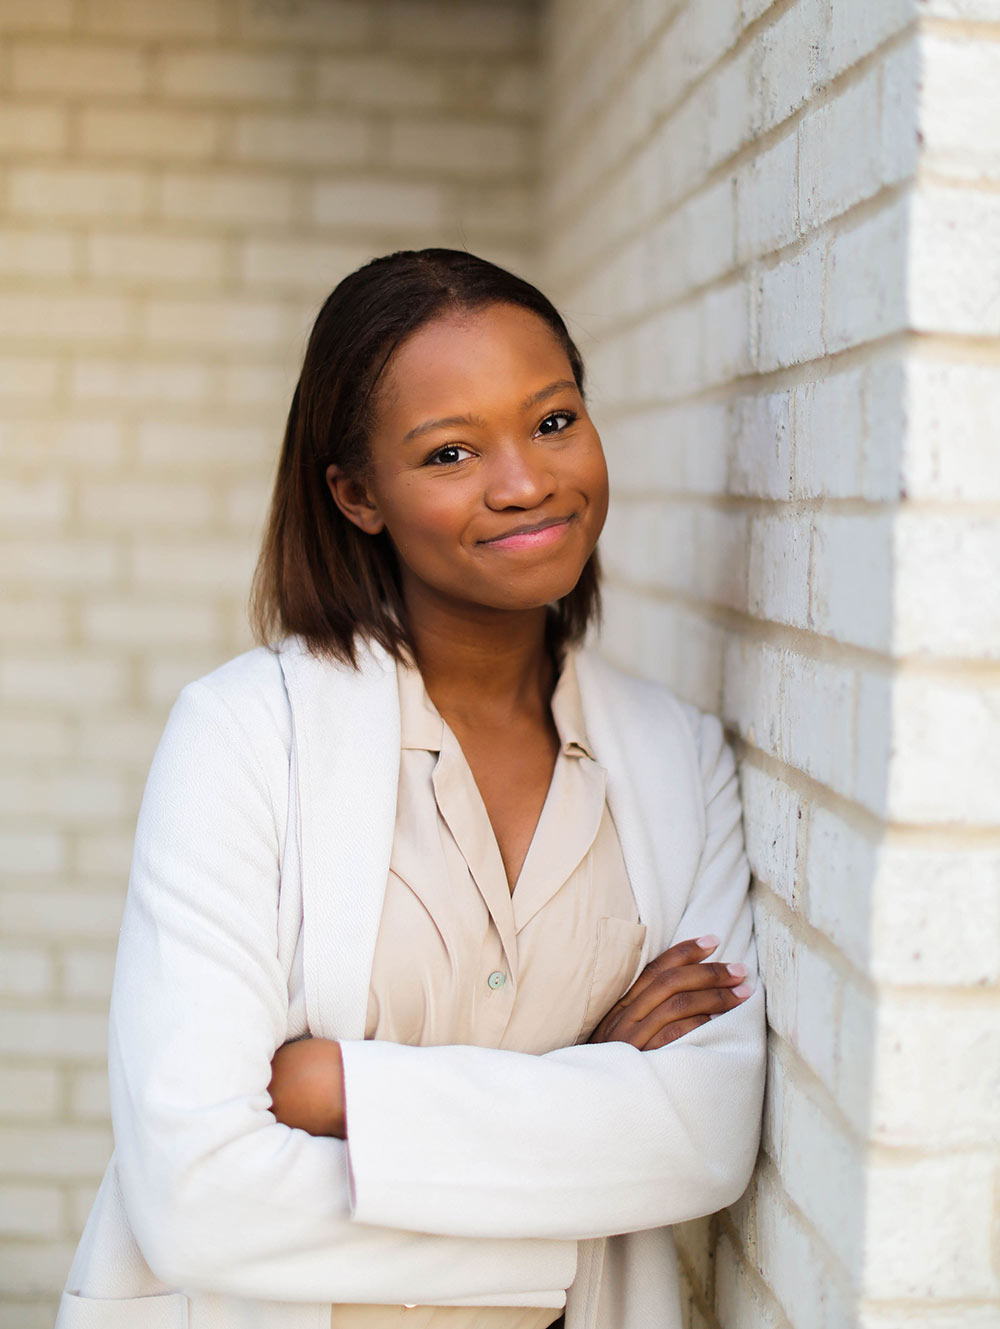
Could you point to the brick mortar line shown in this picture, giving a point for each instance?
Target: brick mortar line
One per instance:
(760, 505)
(744, 36)
(842, 223)
(811, 644)
(959, 29)
(759, 142)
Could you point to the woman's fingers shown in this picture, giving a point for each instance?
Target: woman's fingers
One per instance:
(670, 1032)
(688, 977)
(690, 952)
(681, 1007)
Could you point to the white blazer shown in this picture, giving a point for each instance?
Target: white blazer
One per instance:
(471, 1175)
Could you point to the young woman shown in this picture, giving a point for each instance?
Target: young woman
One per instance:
(435, 1001)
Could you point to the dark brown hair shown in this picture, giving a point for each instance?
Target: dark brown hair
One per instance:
(318, 575)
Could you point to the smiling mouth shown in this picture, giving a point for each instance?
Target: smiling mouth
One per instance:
(531, 537)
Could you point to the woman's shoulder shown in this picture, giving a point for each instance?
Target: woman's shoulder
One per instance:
(646, 708)
(244, 695)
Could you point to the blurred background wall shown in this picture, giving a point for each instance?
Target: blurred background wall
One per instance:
(774, 229)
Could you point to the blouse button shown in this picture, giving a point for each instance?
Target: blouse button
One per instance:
(497, 979)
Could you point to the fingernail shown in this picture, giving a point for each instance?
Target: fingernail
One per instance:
(743, 990)
(737, 970)
(709, 942)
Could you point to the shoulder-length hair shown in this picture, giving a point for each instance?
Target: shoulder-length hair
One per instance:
(318, 575)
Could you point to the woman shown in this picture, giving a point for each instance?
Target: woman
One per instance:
(434, 1001)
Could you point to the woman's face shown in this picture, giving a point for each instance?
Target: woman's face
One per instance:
(486, 469)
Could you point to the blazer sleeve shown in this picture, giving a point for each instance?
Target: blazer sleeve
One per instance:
(220, 1196)
(585, 1141)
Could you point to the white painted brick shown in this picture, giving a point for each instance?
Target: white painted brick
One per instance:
(48, 737)
(29, 130)
(262, 385)
(61, 679)
(378, 203)
(301, 265)
(32, 852)
(199, 448)
(223, 324)
(59, 1152)
(928, 1227)
(308, 22)
(75, 318)
(902, 72)
(790, 60)
(779, 569)
(305, 140)
(77, 191)
(950, 450)
(726, 333)
(867, 289)
(227, 76)
(831, 180)
(428, 26)
(135, 381)
(767, 217)
(246, 506)
(816, 710)
(145, 132)
(88, 973)
(762, 461)
(954, 267)
(824, 1174)
(933, 554)
(33, 501)
(852, 581)
(986, 10)
(790, 309)
(25, 971)
(885, 429)
(945, 750)
(67, 68)
(108, 854)
(725, 99)
(171, 260)
(30, 1211)
(43, 16)
(210, 566)
(967, 1316)
(828, 430)
(818, 998)
(695, 42)
(29, 1092)
(89, 1096)
(223, 196)
(383, 81)
(34, 619)
(93, 443)
(752, 681)
(772, 815)
(37, 253)
(741, 1303)
(27, 376)
(792, 1261)
(124, 740)
(653, 449)
(132, 503)
(149, 18)
(40, 913)
(71, 795)
(857, 27)
(145, 623)
(451, 147)
(778, 959)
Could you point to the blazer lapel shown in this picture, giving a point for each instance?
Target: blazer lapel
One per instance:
(345, 771)
(652, 789)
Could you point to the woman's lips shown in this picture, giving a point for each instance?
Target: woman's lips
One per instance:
(531, 539)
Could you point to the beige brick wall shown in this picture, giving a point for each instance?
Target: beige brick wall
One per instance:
(775, 227)
(183, 181)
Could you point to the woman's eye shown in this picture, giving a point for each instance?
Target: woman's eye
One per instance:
(447, 455)
(567, 418)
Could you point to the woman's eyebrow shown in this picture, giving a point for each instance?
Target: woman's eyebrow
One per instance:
(447, 421)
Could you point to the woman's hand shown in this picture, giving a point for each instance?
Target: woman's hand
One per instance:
(307, 1086)
(674, 994)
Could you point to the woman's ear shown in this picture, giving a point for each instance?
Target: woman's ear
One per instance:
(354, 500)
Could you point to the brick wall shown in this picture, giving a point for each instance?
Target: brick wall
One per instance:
(183, 182)
(776, 228)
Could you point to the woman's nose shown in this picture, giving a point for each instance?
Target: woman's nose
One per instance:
(518, 477)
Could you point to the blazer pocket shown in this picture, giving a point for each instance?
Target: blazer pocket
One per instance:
(168, 1310)
(619, 945)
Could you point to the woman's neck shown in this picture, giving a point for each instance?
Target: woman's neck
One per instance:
(484, 665)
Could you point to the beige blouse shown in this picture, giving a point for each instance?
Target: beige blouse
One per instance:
(461, 958)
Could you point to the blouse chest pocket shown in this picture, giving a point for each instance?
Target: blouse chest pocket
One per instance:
(619, 946)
